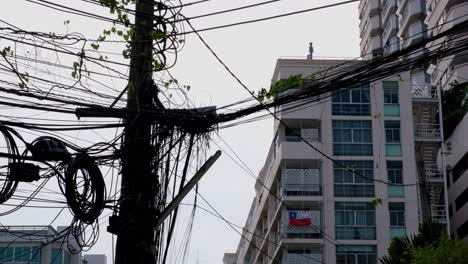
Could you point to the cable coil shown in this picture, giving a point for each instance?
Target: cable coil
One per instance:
(7, 185)
(84, 188)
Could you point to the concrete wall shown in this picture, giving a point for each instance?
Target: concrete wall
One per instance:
(95, 258)
(459, 147)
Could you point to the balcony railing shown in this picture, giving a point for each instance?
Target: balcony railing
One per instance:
(301, 182)
(423, 91)
(308, 134)
(304, 258)
(427, 131)
(438, 214)
(291, 230)
(410, 10)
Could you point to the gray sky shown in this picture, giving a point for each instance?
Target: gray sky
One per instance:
(251, 52)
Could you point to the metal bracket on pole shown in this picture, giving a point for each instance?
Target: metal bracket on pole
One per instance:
(181, 195)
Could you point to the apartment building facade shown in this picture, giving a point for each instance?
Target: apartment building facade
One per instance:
(35, 245)
(450, 76)
(41, 245)
(399, 24)
(441, 161)
(313, 209)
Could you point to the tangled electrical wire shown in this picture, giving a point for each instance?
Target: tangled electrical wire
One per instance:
(168, 28)
(8, 185)
(79, 177)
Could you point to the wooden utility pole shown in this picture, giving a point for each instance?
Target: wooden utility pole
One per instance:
(135, 222)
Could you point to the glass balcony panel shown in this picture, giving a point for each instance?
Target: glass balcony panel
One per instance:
(392, 110)
(396, 191)
(397, 232)
(393, 150)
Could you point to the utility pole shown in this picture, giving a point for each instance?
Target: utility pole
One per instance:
(136, 219)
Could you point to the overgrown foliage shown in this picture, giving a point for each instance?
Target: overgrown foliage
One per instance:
(454, 106)
(450, 251)
(293, 81)
(401, 250)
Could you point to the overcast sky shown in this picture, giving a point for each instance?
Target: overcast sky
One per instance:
(251, 52)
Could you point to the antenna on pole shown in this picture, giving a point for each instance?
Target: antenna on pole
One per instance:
(311, 51)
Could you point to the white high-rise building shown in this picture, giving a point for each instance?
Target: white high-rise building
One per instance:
(403, 23)
(450, 75)
(311, 209)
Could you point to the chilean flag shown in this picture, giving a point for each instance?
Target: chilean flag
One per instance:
(300, 218)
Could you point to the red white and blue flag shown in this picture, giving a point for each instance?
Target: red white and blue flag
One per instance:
(301, 218)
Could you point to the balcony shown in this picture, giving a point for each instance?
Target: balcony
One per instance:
(393, 45)
(375, 25)
(390, 28)
(295, 227)
(374, 7)
(427, 132)
(302, 258)
(409, 13)
(455, 15)
(438, 214)
(301, 182)
(457, 72)
(308, 134)
(402, 3)
(373, 46)
(388, 7)
(413, 35)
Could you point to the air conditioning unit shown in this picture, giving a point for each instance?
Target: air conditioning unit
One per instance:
(431, 69)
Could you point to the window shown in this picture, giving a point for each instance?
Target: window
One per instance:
(352, 101)
(356, 254)
(390, 92)
(355, 179)
(20, 255)
(461, 200)
(352, 137)
(392, 132)
(460, 167)
(392, 138)
(57, 256)
(395, 176)
(391, 99)
(292, 134)
(397, 219)
(462, 231)
(355, 220)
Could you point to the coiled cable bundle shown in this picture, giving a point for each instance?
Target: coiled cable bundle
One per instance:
(8, 185)
(84, 188)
